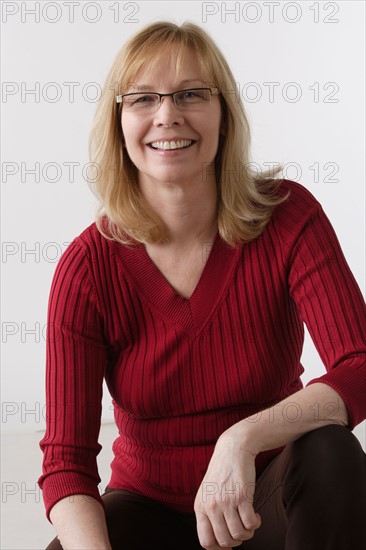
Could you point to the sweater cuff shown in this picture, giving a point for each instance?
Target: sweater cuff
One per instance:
(60, 485)
(350, 384)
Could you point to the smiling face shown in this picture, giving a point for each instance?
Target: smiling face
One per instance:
(169, 144)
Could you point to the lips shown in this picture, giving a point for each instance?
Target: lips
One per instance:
(168, 145)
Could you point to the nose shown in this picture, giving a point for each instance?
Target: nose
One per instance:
(167, 113)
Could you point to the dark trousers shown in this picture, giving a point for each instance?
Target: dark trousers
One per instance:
(312, 496)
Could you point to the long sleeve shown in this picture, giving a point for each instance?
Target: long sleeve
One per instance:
(75, 366)
(330, 303)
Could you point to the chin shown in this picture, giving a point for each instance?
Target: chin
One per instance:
(172, 177)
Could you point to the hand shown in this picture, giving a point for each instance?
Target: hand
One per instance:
(224, 501)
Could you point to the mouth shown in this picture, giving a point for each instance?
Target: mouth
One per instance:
(171, 145)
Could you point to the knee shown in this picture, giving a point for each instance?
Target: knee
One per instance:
(327, 464)
(328, 452)
(330, 441)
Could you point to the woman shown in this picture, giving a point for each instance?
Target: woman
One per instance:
(189, 296)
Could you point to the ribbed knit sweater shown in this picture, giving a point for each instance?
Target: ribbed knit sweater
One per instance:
(181, 371)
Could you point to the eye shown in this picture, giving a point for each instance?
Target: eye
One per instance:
(139, 100)
(194, 96)
(143, 99)
(188, 95)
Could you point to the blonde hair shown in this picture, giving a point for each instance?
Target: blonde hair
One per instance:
(245, 199)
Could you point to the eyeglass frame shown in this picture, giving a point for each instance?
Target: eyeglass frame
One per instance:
(213, 91)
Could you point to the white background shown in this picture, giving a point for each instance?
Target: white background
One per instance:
(313, 49)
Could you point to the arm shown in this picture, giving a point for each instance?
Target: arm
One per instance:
(80, 523)
(227, 517)
(75, 364)
(329, 301)
(308, 409)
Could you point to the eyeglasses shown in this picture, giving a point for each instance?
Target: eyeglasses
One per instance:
(194, 98)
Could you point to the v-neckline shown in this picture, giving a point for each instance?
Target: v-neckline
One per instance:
(194, 312)
(172, 289)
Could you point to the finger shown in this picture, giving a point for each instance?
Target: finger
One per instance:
(250, 519)
(235, 525)
(204, 530)
(221, 529)
(207, 535)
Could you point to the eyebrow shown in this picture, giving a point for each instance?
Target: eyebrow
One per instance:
(145, 87)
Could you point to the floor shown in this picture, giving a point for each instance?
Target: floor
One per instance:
(23, 520)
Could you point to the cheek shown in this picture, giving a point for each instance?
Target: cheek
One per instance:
(126, 137)
(134, 133)
(128, 128)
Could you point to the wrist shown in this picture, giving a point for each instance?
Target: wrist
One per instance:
(242, 437)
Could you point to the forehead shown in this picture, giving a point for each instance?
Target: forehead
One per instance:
(174, 66)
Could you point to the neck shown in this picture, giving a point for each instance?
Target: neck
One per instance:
(188, 210)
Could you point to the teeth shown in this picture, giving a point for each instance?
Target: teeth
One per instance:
(171, 144)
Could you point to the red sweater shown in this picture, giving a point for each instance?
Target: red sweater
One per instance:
(181, 371)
